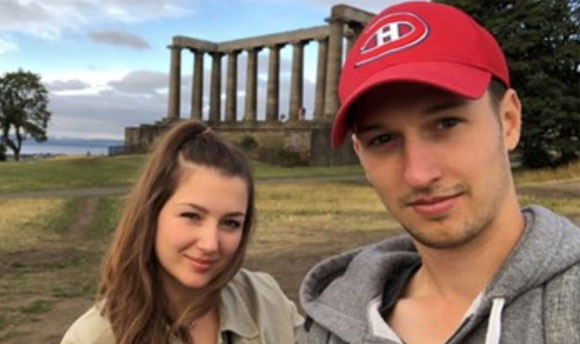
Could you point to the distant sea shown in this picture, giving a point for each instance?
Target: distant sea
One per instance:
(68, 147)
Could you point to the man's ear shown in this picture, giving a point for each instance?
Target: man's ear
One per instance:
(355, 144)
(510, 115)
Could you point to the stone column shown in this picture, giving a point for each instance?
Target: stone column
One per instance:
(215, 88)
(232, 86)
(353, 32)
(320, 78)
(273, 97)
(197, 86)
(334, 66)
(297, 81)
(250, 111)
(174, 83)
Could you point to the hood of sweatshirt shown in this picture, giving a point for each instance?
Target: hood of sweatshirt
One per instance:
(337, 291)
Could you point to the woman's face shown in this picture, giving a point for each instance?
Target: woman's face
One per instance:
(199, 229)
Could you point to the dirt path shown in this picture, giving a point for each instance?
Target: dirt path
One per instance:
(84, 219)
(47, 327)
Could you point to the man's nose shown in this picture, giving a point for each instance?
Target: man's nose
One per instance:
(421, 165)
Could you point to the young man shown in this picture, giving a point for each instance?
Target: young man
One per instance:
(425, 92)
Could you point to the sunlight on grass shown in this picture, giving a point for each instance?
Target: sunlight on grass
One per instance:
(27, 223)
(266, 171)
(558, 205)
(310, 212)
(570, 171)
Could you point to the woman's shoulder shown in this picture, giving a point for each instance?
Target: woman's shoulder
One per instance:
(253, 303)
(90, 328)
(256, 285)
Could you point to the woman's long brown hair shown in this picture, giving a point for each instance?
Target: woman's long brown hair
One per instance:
(130, 291)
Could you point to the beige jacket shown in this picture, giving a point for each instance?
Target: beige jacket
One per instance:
(252, 308)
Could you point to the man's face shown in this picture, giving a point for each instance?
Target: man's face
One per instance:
(438, 162)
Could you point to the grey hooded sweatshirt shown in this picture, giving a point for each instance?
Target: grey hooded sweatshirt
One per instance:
(512, 309)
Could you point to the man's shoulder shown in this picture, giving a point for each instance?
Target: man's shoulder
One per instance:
(562, 306)
(90, 328)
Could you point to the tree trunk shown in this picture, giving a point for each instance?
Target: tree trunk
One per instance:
(18, 145)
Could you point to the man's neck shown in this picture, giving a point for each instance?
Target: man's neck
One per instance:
(461, 273)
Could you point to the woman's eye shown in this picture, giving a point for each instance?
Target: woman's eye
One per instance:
(232, 224)
(190, 216)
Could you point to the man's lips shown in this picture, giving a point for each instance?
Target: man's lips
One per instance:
(434, 206)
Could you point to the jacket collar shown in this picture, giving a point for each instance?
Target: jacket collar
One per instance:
(234, 314)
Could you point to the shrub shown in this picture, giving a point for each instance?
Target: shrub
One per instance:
(248, 143)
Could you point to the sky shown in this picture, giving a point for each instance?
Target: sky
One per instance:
(106, 62)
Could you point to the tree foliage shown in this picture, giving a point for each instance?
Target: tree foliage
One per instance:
(541, 41)
(23, 109)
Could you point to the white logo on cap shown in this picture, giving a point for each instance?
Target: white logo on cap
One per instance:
(392, 33)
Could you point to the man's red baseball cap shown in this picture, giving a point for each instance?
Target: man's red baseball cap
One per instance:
(423, 42)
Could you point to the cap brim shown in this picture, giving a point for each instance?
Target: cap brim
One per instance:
(465, 81)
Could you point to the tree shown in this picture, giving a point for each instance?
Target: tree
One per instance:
(23, 109)
(541, 41)
(2, 152)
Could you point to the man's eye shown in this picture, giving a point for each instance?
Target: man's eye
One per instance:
(380, 139)
(447, 123)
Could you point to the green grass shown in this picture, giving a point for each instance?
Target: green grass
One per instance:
(52, 174)
(106, 218)
(61, 221)
(86, 172)
(37, 307)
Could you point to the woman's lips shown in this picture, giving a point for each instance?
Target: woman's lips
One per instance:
(201, 265)
(436, 206)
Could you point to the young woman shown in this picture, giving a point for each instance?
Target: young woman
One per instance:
(173, 271)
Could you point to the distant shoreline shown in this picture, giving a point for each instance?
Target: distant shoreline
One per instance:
(56, 150)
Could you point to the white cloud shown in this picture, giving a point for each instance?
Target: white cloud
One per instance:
(95, 81)
(67, 85)
(374, 6)
(48, 19)
(7, 46)
(119, 37)
(140, 82)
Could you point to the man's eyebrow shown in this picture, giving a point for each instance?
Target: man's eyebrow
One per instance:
(445, 105)
(361, 129)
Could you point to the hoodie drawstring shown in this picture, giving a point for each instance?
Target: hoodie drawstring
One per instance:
(494, 325)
